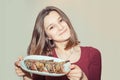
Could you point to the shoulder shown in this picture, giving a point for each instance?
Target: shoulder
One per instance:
(89, 48)
(91, 51)
(93, 55)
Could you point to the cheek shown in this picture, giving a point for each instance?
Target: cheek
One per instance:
(52, 34)
(64, 24)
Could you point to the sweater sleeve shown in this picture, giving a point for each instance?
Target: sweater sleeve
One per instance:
(38, 77)
(95, 65)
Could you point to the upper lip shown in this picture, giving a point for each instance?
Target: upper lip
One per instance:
(63, 31)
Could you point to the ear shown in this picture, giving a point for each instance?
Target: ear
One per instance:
(49, 38)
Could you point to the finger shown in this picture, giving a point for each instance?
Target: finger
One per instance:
(20, 58)
(75, 75)
(75, 71)
(73, 78)
(16, 68)
(64, 72)
(17, 63)
(72, 66)
(20, 73)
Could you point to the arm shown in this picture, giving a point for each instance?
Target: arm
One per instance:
(95, 65)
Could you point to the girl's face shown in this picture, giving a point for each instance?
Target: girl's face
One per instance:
(56, 28)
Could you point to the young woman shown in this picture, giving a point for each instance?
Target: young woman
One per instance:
(53, 35)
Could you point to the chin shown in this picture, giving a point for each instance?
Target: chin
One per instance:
(63, 39)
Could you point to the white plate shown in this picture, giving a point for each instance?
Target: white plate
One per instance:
(36, 57)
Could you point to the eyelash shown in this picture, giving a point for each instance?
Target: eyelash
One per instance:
(51, 27)
(60, 20)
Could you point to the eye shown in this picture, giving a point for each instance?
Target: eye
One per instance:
(51, 27)
(61, 20)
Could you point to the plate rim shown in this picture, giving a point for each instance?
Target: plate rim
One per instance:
(23, 66)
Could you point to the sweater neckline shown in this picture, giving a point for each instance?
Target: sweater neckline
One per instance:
(55, 55)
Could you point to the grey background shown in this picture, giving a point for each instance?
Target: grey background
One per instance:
(97, 23)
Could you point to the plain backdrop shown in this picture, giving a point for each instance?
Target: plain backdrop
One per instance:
(97, 23)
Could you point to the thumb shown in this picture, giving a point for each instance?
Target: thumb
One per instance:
(72, 66)
(17, 63)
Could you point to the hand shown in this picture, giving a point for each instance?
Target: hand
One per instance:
(20, 71)
(75, 73)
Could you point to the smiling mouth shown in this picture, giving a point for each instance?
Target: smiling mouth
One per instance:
(63, 32)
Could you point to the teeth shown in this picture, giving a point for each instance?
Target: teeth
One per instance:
(45, 65)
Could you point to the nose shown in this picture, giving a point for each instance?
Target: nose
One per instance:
(60, 27)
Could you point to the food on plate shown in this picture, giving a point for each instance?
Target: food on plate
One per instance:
(49, 66)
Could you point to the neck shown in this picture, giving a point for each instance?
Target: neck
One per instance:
(61, 45)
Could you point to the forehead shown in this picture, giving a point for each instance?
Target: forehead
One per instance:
(51, 18)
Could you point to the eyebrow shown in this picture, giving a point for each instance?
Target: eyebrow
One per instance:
(51, 24)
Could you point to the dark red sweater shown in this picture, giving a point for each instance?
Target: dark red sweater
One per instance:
(89, 62)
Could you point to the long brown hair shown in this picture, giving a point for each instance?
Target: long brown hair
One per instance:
(40, 44)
